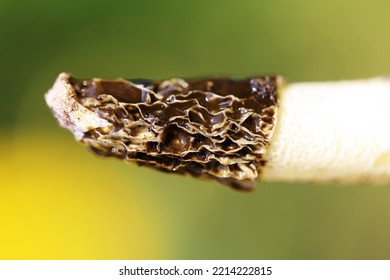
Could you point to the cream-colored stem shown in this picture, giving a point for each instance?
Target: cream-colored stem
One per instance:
(332, 131)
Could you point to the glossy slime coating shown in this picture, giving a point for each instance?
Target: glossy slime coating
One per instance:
(212, 128)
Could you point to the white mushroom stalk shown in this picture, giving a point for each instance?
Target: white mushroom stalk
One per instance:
(332, 132)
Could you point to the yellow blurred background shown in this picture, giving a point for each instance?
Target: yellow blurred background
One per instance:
(58, 201)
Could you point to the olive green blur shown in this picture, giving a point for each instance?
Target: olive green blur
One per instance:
(87, 207)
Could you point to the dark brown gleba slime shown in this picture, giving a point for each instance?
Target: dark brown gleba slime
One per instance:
(211, 128)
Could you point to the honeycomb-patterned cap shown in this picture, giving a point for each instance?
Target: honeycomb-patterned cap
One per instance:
(211, 128)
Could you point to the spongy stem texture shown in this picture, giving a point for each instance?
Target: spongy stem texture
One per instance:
(332, 131)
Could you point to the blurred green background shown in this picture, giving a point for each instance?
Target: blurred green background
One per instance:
(58, 201)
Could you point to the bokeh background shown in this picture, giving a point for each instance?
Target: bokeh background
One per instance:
(58, 201)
